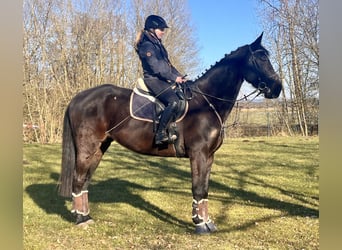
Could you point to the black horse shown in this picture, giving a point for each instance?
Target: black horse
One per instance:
(95, 117)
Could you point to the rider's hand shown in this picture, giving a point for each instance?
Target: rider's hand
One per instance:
(180, 79)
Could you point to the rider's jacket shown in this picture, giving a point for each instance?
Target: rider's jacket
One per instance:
(154, 59)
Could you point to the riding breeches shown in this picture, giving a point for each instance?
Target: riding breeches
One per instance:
(162, 91)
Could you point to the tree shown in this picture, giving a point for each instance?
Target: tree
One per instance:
(292, 28)
(69, 46)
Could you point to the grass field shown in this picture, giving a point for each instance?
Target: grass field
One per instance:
(263, 195)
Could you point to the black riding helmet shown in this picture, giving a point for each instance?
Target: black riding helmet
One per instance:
(155, 22)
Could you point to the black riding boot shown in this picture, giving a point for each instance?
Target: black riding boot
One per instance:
(166, 117)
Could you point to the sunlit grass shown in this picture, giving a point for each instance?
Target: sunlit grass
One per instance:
(263, 195)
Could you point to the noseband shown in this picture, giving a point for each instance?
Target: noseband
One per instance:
(263, 89)
(262, 86)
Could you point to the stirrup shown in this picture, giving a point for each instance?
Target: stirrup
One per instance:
(173, 138)
(161, 138)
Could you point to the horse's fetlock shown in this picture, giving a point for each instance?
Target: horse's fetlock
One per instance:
(80, 203)
(200, 211)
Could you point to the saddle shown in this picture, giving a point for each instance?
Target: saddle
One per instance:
(145, 107)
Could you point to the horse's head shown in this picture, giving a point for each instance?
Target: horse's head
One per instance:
(259, 71)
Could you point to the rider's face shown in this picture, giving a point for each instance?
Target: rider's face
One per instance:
(160, 33)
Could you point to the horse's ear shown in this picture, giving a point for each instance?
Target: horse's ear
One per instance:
(257, 43)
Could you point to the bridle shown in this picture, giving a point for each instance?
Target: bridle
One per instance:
(261, 89)
(262, 86)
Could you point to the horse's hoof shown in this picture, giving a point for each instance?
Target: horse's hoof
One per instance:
(211, 226)
(205, 228)
(83, 220)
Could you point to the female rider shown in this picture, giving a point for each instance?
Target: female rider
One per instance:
(158, 71)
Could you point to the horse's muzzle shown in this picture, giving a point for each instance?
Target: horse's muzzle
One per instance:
(272, 91)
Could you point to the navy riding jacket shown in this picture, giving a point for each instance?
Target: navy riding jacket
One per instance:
(154, 59)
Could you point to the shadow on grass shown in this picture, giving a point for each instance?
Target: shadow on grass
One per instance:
(109, 191)
(45, 196)
(115, 190)
(271, 203)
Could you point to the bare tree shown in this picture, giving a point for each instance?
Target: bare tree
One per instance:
(70, 46)
(180, 37)
(292, 28)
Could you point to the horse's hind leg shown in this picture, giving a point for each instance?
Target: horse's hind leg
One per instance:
(86, 163)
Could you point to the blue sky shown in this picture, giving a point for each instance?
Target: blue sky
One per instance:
(222, 26)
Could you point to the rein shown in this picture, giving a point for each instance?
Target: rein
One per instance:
(205, 95)
(229, 100)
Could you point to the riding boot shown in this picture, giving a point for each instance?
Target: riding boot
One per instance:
(166, 117)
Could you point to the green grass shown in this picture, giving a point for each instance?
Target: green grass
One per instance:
(263, 195)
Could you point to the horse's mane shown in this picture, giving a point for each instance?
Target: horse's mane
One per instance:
(232, 56)
(227, 57)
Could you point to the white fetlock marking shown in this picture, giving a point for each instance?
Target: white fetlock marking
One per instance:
(200, 224)
(199, 202)
(80, 194)
(81, 213)
(76, 195)
(200, 217)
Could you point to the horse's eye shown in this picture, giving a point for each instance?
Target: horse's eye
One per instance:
(263, 57)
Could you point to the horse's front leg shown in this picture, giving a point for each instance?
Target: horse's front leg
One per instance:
(200, 171)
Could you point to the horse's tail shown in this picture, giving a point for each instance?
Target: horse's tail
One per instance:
(68, 158)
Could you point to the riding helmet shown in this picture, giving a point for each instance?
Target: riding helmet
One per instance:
(155, 22)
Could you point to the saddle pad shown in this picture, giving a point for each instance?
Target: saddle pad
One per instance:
(142, 106)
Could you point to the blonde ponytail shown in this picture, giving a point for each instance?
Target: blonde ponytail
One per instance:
(138, 39)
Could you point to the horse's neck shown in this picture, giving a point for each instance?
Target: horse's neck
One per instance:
(224, 82)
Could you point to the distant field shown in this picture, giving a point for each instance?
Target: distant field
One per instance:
(263, 195)
(254, 113)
